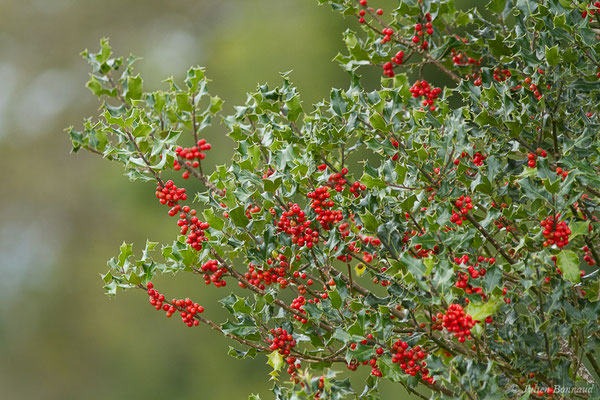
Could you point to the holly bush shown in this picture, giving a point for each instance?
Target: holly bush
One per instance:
(441, 234)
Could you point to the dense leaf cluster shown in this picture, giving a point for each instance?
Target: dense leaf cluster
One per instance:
(440, 209)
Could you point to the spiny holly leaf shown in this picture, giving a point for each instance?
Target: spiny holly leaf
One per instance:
(568, 262)
(275, 361)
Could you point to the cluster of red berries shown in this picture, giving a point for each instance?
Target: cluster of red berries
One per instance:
(395, 143)
(588, 256)
(424, 89)
(251, 209)
(352, 365)
(478, 159)
(505, 291)
(270, 171)
(457, 321)
(420, 31)
(463, 283)
(383, 282)
(418, 250)
(261, 278)
(338, 181)
(475, 77)
(193, 227)
(375, 371)
(422, 252)
(343, 228)
(188, 308)
(302, 275)
(462, 155)
(297, 304)
(462, 59)
(501, 75)
(532, 157)
(367, 257)
(321, 386)
(353, 247)
(366, 239)
(214, 273)
(411, 360)
(302, 287)
(503, 223)
(473, 273)
(170, 194)
(294, 223)
(555, 232)
(591, 12)
(436, 322)
(387, 35)
(323, 206)
(292, 366)
(533, 87)
(282, 341)
(465, 205)
(561, 172)
(541, 393)
(388, 67)
(362, 13)
(192, 155)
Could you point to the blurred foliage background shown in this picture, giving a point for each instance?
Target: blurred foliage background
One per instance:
(62, 216)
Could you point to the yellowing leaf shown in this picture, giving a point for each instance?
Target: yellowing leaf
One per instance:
(275, 361)
(360, 269)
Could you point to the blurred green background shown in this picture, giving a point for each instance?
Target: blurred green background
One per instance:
(62, 216)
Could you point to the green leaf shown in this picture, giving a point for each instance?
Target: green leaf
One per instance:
(578, 228)
(341, 335)
(527, 7)
(552, 55)
(372, 182)
(560, 21)
(568, 262)
(238, 216)
(378, 122)
(408, 203)
(294, 108)
(336, 299)
(362, 352)
(428, 265)
(150, 246)
(532, 191)
(390, 370)
(133, 88)
(479, 311)
(126, 252)
(275, 361)
(142, 130)
(338, 104)
(369, 221)
(96, 87)
(497, 6)
(216, 104)
(415, 266)
(244, 329)
(214, 221)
